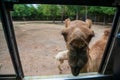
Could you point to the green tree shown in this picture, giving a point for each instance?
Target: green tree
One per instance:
(107, 11)
(94, 11)
(21, 11)
(63, 12)
(33, 12)
(103, 12)
(40, 11)
(49, 11)
(76, 10)
(53, 10)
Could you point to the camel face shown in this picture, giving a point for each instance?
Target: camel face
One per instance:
(77, 36)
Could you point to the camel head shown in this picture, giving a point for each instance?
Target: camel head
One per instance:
(77, 35)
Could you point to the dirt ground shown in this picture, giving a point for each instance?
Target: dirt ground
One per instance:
(38, 43)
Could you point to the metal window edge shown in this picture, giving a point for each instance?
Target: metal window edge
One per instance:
(70, 77)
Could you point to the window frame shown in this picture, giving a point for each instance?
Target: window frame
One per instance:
(11, 42)
(6, 7)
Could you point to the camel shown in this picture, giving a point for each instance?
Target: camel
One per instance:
(96, 52)
(77, 35)
(61, 56)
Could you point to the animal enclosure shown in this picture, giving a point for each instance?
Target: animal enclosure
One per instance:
(40, 41)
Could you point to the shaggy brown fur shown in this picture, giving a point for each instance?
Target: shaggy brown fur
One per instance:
(96, 52)
(77, 35)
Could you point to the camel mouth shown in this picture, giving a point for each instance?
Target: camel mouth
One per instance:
(75, 70)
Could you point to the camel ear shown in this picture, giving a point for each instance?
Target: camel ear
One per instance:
(67, 22)
(89, 22)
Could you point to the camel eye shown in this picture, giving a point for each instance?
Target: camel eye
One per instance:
(65, 35)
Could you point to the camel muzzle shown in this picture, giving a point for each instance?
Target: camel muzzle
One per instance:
(75, 70)
(77, 59)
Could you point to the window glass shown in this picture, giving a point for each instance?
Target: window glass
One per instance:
(6, 66)
(38, 29)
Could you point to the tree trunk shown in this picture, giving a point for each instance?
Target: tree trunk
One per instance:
(54, 19)
(105, 20)
(77, 15)
(86, 12)
(62, 13)
(62, 16)
(95, 19)
(23, 18)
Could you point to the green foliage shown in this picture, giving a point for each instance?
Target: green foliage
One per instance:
(94, 10)
(33, 11)
(51, 12)
(75, 10)
(21, 10)
(101, 10)
(108, 10)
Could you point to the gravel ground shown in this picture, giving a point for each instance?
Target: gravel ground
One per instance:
(38, 43)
